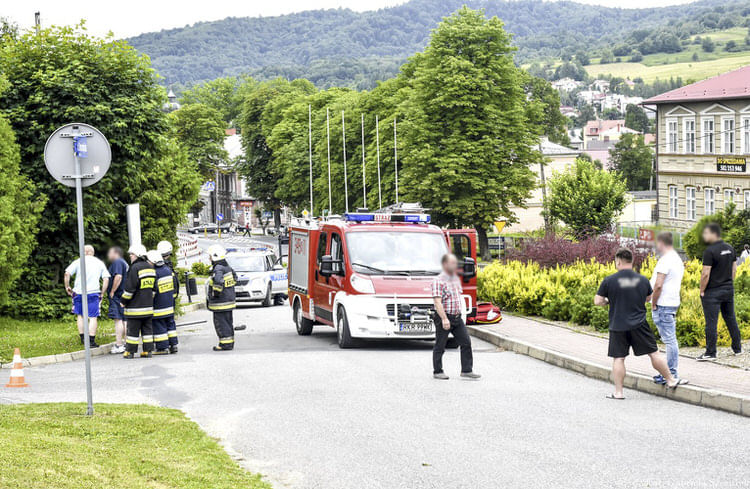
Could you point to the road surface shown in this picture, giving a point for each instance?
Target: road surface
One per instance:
(309, 415)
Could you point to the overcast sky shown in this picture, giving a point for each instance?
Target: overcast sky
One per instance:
(130, 17)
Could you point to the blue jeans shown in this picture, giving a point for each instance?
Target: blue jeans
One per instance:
(664, 319)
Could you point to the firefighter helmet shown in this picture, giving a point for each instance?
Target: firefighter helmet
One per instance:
(217, 252)
(154, 257)
(138, 250)
(164, 248)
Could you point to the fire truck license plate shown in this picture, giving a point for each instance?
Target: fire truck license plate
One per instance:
(425, 327)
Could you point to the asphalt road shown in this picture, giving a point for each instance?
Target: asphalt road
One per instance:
(309, 415)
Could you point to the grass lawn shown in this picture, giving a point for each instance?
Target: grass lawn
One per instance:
(689, 70)
(55, 446)
(37, 338)
(667, 65)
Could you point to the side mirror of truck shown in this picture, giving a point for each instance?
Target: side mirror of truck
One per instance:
(469, 268)
(326, 265)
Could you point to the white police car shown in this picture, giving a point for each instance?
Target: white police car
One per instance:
(261, 276)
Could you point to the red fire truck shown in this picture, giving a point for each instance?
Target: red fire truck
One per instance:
(369, 274)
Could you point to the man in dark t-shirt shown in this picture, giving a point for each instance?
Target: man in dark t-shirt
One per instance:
(627, 292)
(717, 290)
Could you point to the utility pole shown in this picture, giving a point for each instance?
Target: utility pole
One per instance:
(547, 225)
(37, 21)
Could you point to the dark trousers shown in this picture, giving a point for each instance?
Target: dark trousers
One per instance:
(139, 327)
(172, 331)
(458, 328)
(224, 326)
(161, 333)
(720, 299)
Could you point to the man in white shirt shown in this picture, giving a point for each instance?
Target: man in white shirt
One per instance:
(96, 271)
(666, 282)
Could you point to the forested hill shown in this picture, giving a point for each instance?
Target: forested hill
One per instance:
(342, 47)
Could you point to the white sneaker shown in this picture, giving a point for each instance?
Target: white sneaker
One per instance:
(117, 350)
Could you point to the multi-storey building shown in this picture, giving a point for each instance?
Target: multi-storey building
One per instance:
(702, 148)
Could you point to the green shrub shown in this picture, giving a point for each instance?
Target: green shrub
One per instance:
(200, 268)
(566, 293)
(735, 226)
(44, 305)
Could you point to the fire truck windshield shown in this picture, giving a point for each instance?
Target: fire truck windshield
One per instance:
(378, 252)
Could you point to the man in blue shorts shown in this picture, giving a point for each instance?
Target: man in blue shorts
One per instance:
(118, 271)
(96, 272)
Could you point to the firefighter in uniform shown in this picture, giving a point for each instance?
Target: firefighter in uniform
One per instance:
(221, 297)
(138, 300)
(165, 250)
(163, 302)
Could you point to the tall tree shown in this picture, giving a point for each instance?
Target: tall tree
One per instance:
(223, 94)
(586, 199)
(19, 211)
(62, 74)
(543, 109)
(633, 159)
(467, 144)
(262, 110)
(200, 130)
(636, 118)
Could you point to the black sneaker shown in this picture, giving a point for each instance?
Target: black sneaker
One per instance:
(173, 349)
(706, 358)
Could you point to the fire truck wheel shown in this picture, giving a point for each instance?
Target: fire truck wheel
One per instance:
(268, 299)
(304, 325)
(342, 330)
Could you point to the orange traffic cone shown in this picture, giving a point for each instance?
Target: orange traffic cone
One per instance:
(16, 374)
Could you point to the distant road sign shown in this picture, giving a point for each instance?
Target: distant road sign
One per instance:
(267, 215)
(219, 217)
(209, 186)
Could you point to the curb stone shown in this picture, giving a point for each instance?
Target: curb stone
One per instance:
(80, 354)
(690, 394)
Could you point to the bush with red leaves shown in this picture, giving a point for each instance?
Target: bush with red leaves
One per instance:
(556, 250)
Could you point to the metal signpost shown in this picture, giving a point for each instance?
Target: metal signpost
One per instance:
(78, 155)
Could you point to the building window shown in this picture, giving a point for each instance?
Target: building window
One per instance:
(727, 135)
(746, 135)
(690, 203)
(709, 202)
(673, 202)
(672, 135)
(708, 135)
(689, 135)
(728, 196)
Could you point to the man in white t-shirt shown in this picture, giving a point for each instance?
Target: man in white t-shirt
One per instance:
(96, 272)
(666, 282)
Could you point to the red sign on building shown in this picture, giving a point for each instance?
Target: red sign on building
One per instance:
(645, 234)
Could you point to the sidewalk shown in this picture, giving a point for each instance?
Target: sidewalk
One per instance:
(711, 384)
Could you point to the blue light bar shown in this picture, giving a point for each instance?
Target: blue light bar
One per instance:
(370, 217)
(359, 217)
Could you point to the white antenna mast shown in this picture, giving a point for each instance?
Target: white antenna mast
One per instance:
(328, 139)
(395, 156)
(309, 140)
(377, 144)
(364, 182)
(343, 138)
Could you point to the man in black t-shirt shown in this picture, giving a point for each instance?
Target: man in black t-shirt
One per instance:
(627, 292)
(717, 290)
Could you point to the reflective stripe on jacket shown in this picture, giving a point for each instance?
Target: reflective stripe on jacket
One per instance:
(138, 296)
(164, 295)
(221, 295)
